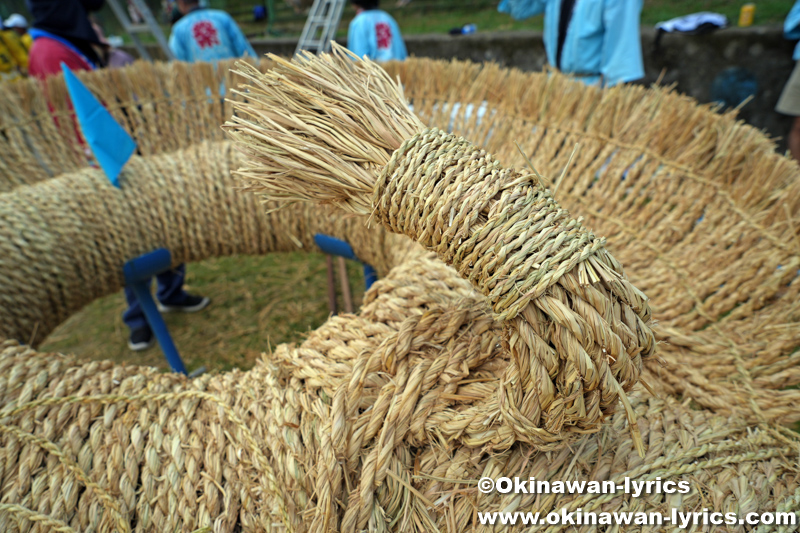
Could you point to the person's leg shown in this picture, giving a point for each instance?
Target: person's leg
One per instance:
(789, 104)
(171, 296)
(794, 139)
(133, 315)
(141, 337)
(170, 285)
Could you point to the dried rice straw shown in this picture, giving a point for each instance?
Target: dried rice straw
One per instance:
(337, 130)
(187, 455)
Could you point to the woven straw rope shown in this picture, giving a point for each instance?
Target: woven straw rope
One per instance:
(468, 425)
(678, 164)
(420, 315)
(434, 189)
(702, 363)
(574, 337)
(291, 411)
(64, 241)
(165, 106)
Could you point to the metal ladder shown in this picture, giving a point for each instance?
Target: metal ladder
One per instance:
(150, 26)
(320, 29)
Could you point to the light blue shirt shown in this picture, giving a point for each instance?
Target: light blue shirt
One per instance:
(208, 35)
(791, 28)
(375, 34)
(602, 38)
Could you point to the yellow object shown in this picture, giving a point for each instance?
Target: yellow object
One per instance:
(8, 67)
(14, 46)
(746, 15)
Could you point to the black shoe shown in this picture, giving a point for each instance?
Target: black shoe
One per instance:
(190, 304)
(141, 339)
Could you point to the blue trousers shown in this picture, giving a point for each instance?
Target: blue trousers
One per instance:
(170, 292)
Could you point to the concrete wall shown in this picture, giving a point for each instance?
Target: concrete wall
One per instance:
(690, 61)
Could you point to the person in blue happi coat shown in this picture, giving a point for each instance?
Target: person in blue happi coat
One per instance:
(203, 34)
(374, 33)
(596, 41)
(789, 102)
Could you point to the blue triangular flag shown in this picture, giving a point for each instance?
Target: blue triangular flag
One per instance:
(110, 143)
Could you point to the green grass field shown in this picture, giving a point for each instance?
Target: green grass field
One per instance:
(654, 11)
(439, 16)
(257, 302)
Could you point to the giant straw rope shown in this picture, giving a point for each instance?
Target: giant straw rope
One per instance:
(386, 419)
(59, 222)
(576, 331)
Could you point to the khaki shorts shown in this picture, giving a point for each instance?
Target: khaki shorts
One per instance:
(789, 102)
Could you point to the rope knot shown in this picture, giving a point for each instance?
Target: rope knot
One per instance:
(499, 228)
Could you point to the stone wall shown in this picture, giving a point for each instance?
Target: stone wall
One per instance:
(690, 61)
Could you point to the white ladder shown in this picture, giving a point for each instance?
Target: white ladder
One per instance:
(150, 26)
(320, 29)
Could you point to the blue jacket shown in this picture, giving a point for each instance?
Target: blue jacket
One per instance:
(375, 34)
(791, 28)
(208, 35)
(602, 38)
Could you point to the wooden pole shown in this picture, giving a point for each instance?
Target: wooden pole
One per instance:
(331, 284)
(347, 295)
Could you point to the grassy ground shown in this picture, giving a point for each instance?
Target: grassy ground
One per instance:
(418, 22)
(654, 11)
(421, 16)
(414, 20)
(257, 302)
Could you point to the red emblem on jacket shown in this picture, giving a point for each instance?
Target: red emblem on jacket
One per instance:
(384, 33)
(205, 34)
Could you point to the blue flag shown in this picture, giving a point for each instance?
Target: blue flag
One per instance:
(110, 143)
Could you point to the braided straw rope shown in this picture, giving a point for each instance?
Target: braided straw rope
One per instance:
(206, 454)
(658, 175)
(64, 241)
(181, 454)
(576, 329)
(164, 106)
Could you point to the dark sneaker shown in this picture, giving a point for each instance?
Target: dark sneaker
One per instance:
(190, 304)
(141, 339)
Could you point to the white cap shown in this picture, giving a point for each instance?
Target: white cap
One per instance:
(15, 21)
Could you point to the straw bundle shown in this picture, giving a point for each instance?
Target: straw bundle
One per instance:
(339, 132)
